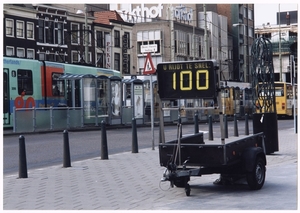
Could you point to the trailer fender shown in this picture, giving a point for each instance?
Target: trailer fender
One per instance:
(249, 157)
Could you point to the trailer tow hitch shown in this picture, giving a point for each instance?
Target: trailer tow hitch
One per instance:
(177, 177)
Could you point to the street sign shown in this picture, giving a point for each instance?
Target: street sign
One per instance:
(149, 67)
(149, 48)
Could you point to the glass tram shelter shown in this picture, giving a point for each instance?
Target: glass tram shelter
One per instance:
(96, 95)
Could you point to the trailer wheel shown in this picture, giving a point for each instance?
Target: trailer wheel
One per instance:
(256, 178)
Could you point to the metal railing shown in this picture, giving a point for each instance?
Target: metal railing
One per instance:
(52, 118)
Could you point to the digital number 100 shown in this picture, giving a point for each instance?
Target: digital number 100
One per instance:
(188, 84)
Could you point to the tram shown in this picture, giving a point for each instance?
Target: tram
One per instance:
(102, 92)
(31, 83)
(285, 99)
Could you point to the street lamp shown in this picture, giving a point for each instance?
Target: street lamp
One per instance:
(86, 34)
(244, 49)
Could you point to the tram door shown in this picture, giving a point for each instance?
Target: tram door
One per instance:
(6, 105)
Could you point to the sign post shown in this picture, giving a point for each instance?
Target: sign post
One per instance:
(149, 69)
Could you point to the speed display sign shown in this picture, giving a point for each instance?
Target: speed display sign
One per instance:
(187, 79)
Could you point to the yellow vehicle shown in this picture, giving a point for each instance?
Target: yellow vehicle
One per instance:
(285, 99)
(236, 98)
(230, 97)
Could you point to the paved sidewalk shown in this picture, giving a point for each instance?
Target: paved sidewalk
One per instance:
(126, 181)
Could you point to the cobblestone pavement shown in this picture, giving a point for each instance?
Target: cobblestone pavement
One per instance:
(131, 181)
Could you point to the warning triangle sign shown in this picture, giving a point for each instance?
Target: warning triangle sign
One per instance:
(148, 67)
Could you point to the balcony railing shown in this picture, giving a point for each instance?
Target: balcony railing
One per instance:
(285, 47)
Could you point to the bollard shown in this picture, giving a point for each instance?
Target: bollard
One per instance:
(210, 137)
(134, 137)
(196, 124)
(67, 158)
(104, 151)
(246, 125)
(226, 126)
(22, 158)
(296, 124)
(236, 133)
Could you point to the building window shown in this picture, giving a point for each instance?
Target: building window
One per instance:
(175, 42)
(99, 40)
(149, 37)
(41, 31)
(89, 35)
(30, 30)
(181, 42)
(9, 27)
(20, 52)
(250, 14)
(126, 64)
(50, 57)
(10, 51)
(196, 46)
(42, 56)
(75, 57)
(20, 29)
(117, 38)
(127, 36)
(49, 31)
(189, 44)
(60, 57)
(75, 34)
(30, 53)
(84, 31)
(100, 60)
(117, 61)
(89, 57)
(58, 32)
(245, 12)
(250, 32)
(201, 47)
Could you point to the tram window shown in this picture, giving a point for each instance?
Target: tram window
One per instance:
(225, 93)
(25, 82)
(279, 92)
(58, 86)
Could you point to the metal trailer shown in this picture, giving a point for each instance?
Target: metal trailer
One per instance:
(236, 159)
(190, 156)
